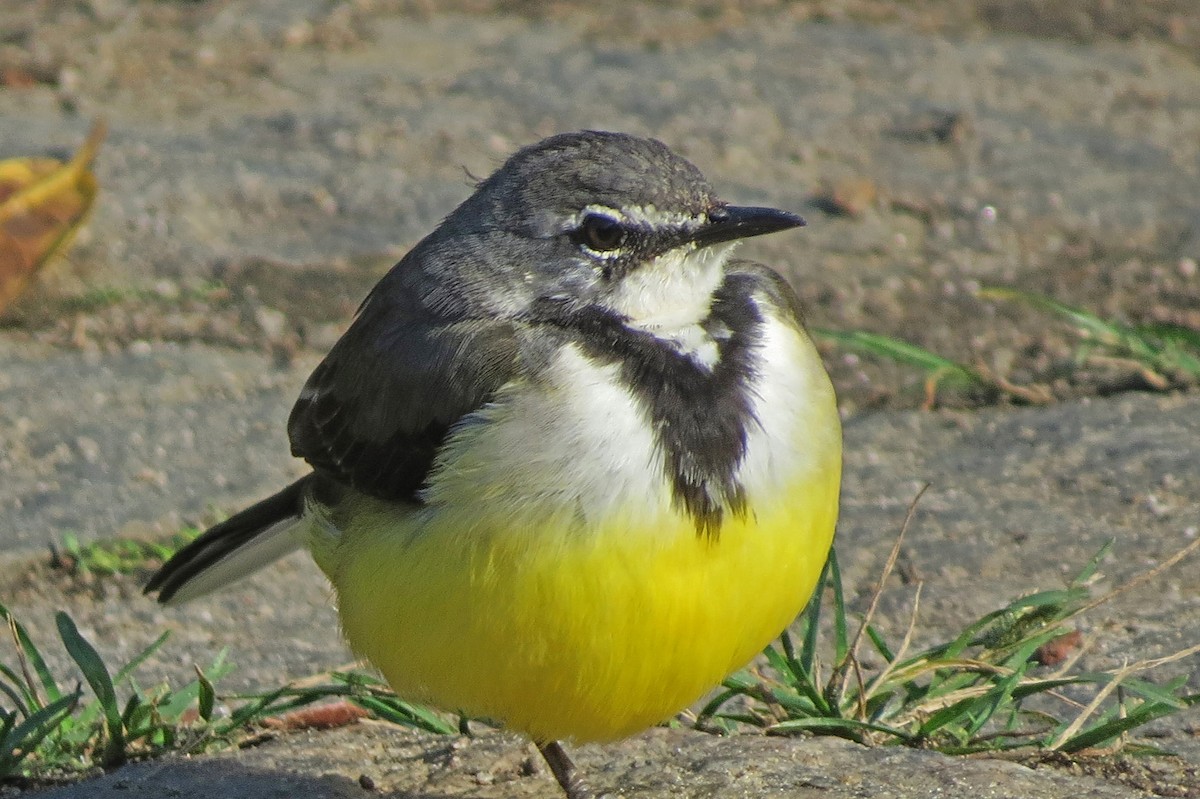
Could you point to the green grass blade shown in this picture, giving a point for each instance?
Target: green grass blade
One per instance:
(1161, 694)
(801, 703)
(406, 715)
(175, 703)
(807, 657)
(21, 740)
(783, 659)
(943, 720)
(960, 697)
(135, 712)
(1180, 346)
(8, 720)
(845, 728)
(171, 706)
(98, 677)
(1105, 732)
(206, 697)
(791, 671)
(881, 646)
(1032, 687)
(712, 707)
(1047, 600)
(1175, 334)
(34, 657)
(953, 649)
(1107, 332)
(13, 686)
(1157, 346)
(841, 635)
(998, 697)
(220, 667)
(125, 671)
(902, 352)
(806, 697)
(1085, 574)
(262, 706)
(357, 678)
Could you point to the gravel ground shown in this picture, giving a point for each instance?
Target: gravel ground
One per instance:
(266, 162)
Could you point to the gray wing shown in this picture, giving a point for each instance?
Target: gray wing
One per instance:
(375, 412)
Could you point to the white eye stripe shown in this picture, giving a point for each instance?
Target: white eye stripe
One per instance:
(638, 215)
(649, 216)
(632, 219)
(604, 255)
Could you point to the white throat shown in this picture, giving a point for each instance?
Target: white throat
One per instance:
(673, 292)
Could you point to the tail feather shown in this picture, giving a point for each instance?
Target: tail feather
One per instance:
(235, 548)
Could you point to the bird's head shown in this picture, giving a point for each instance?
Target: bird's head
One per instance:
(602, 219)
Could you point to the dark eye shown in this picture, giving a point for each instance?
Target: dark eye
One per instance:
(600, 233)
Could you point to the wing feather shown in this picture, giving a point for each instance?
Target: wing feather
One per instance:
(376, 410)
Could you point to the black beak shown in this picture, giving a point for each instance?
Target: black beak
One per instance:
(741, 222)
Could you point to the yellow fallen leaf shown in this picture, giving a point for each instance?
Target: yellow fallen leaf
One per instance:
(43, 202)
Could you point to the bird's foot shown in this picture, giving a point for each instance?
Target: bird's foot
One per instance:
(565, 772)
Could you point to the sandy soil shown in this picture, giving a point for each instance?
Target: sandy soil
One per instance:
(268, 160)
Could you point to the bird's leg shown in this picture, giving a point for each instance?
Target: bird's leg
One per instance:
(564, 770)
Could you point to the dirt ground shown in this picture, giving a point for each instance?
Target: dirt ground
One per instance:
(268, 160)
(1068, 171)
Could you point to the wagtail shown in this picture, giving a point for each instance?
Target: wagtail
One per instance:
(572, 463)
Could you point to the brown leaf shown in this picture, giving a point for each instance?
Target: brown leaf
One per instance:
(322, 717)
(1056, 650)
(17, 78)
(847, 197)
(43, 202)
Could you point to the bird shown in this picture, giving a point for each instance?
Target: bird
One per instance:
(571, 463)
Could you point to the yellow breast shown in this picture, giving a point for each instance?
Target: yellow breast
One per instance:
(553, 586)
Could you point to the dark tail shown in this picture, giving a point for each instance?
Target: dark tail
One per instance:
(236, 547)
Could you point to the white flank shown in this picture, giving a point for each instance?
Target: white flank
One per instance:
(576, 443)
(787, 444)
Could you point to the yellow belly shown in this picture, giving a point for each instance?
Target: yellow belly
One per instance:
(590, 637)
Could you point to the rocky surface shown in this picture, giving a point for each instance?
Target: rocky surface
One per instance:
(266, 161)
